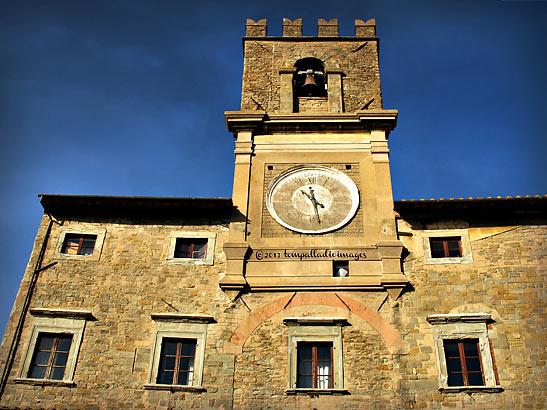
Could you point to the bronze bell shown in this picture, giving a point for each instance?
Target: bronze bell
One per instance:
(310, 86)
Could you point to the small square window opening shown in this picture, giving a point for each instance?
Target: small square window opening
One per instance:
(340, 269)
(79, 244)
(463, 362)
(449, 247)
(50, 356)
(348, 166)
(176, 365)
(314, 368)
(191, 248)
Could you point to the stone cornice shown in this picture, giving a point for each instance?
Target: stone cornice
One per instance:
(242, 120)
(62, 313)
(305, 122)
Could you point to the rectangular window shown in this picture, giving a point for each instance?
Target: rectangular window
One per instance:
(192, 248)
(50, 356)
(79, 244)
(445, 247)
(463, 362)
(340, 269)
(176, 366)
(314, 368)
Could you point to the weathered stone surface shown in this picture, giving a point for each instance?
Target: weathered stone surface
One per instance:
(388, 346)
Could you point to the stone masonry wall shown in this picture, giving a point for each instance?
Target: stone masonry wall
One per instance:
(506, 279)
(265, 56)
(131, 280)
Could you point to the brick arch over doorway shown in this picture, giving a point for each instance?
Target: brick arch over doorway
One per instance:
(391, 337)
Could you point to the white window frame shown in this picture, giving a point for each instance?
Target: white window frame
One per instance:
(459, 327)
(179, 326)
(211, 243)
(463, 234)
(306, 329)
(100, 233)
(58, 321)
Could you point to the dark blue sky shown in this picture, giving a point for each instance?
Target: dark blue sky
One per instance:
(126, 97)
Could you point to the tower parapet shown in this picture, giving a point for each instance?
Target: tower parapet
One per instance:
(327, 73)
(327, 28)
(256, 29)
(292, 28)
(363, 29)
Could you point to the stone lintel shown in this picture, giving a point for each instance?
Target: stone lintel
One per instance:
(316, 392)
(471, 389)
(182, 317)
(62, 313)
(170, 387)
(459, 317)
(320, 321)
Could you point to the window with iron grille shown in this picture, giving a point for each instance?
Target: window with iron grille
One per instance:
(463, 362)
(449, 247)
(79, 244)
(314, 368)
(192, 248)
(176, 364)
(50, 356)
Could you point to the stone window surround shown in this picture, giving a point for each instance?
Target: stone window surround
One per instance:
(58, 321)
(467, 256)
(180, 326)
(100, 232)
(306, 329)
(211, 243)
(464, 326)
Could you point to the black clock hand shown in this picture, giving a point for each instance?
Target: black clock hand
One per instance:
(308, 195)
(315, 203)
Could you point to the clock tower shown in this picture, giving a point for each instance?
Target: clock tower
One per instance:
(312, 188)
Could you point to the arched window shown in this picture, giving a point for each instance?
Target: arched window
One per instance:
(309, 78)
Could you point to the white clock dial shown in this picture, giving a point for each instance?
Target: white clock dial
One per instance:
(312, 199)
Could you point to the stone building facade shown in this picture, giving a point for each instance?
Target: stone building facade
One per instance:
(309, 288)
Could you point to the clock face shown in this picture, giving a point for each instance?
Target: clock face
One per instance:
(312, 199)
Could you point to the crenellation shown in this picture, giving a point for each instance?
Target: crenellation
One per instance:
(350, 70)
(256, 300)
(292, 28)
(327, 28)
(363, 29)
(256, 29)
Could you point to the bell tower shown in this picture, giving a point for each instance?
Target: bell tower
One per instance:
(312, 185)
